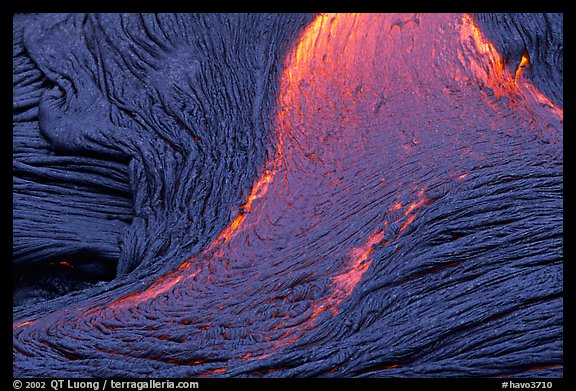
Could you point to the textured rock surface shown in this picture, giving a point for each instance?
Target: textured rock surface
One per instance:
(288, 195)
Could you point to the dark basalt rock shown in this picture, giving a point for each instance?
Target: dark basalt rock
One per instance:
(408, 222)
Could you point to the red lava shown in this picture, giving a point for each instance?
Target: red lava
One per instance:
(374, 111)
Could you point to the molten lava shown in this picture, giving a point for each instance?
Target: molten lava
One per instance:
(375, 111)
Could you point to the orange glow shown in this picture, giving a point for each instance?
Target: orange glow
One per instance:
(287, 342)
(523, 64)
(170, 280)
(343, 132)
(489, 68)
(162, 286)
(360, 260)
(209, 372)
(407, 222)
(416, 205)
(347, 281)
(255, 356)
(344, 283)
(306, 44)
(259, 189)
(317, 311)
(18, 325)
(333, 369)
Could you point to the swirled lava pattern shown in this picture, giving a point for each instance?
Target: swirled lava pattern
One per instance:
(340, 259)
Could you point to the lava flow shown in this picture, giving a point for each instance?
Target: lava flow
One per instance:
(375, 113)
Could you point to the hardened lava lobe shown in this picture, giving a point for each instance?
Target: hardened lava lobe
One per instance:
(334, 195)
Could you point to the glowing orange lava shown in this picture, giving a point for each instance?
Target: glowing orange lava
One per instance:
(162, 286)
(258, 190)
(374, 111)
(488, 66)
(18, 325)
(344, 283)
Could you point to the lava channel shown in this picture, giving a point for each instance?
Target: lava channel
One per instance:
(375, 113)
